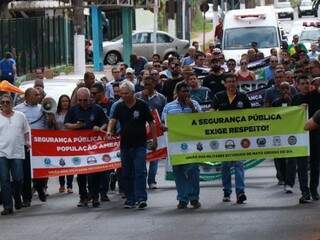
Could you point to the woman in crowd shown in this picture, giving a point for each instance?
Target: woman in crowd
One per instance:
(62, 109)
(244, 74)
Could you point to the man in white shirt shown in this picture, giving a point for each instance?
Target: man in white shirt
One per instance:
(14, 126)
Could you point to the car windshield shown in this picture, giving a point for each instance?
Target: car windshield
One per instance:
(241, 38)
(306, 4)
(283, 5)
(310, 36)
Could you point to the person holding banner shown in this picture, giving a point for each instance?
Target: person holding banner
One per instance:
(133, 114)
(37, 120)
(63, 107)
(286, 167)
(232, 99)
(14, 129)
(85, 115)
(186, 175)
(156, 101)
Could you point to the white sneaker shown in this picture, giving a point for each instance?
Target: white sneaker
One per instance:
(288, 189)
(153, 186)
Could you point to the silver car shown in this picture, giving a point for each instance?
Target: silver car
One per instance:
(142, 43)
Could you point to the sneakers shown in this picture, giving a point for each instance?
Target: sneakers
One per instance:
(7, 212)
(142, 205)
(105, 198)
(42, 196)
(26, 204)
(62, 189)
(83, 203)
(128, 205)
(226, 197)
(315, 196)
(69, 190)
(153, 186)
(18, 205)
(95, 203)
(288, 189)
(182, 205)
(195, 204)
(241, 198)
(305, 199)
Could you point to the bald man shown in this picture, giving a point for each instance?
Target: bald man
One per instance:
(86, 115)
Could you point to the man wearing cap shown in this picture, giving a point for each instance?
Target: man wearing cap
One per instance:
(295, 47)
(130, 76)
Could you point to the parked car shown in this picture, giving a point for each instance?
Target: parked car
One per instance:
(142, 43)
(284, 10)
(306, 8)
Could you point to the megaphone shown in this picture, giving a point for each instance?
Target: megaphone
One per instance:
(49, 105)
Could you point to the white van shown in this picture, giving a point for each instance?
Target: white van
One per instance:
(241, 27)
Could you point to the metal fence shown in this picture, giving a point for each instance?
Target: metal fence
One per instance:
(37, 42)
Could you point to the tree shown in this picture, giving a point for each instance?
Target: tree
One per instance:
(4, 9)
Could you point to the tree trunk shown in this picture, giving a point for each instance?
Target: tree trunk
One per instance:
(4, 10)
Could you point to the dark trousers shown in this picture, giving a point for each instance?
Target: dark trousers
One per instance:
(117, 178)
(286, 170)
(62, 181)
(39, 184)
(104, 182)
(302, 163)
(314, 161)
(93, 181)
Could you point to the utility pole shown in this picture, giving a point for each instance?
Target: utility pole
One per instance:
(79, 38)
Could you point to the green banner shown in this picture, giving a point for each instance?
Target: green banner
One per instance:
(237, 135)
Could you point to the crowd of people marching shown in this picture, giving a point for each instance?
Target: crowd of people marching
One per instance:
(122, 105)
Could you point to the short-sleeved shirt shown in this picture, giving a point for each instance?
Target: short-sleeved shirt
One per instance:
(6, 66)
(316, 117)
(132, 123)
(203, 96)
(214, 83)
(221, 101)
(13, 128)
(93, 116)
(156, 102)
(175, 107)
(34, 114)
(274, 93)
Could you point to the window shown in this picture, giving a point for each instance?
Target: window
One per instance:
(143, 38)
(241, 38)
(164, 38)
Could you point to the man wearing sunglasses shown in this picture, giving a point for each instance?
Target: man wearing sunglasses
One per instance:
(15, 127)
(85, 115)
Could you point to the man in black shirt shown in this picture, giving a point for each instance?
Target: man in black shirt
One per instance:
(303, 86)
(214, 81)
(85, 115)
(170, 84)
(133, 114)
(232, 99)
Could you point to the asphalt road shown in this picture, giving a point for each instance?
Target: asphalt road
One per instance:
(268, 214)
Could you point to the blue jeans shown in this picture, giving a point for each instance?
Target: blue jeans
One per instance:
(239, 176)
(15, 168)
(134, 173)
(153, 168)
(187, 182)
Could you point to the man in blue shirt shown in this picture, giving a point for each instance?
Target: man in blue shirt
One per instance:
(85, 115)
(8, 68)
(186, 175)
